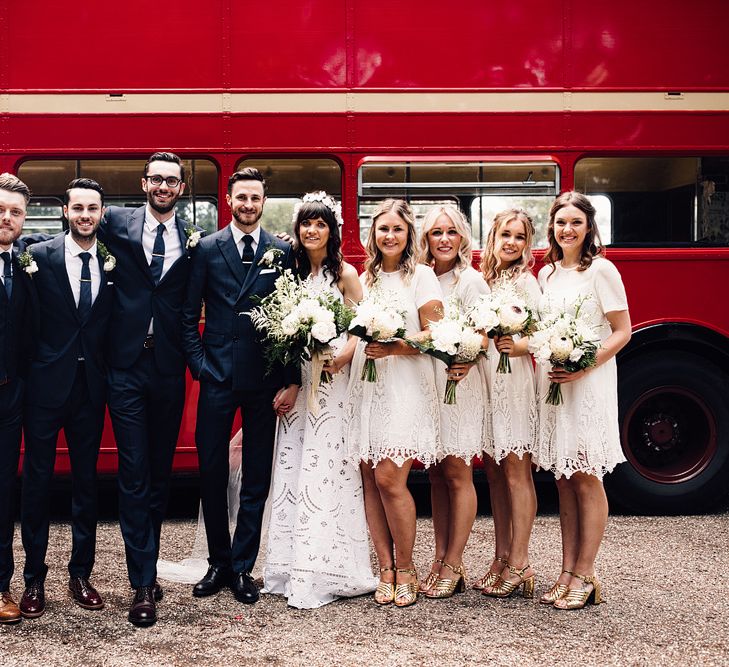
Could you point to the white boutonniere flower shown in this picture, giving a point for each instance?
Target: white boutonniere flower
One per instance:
(27, 263)
(193, 237)
(271, 256)
(109, 259)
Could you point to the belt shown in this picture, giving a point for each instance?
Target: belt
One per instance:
(148, 342)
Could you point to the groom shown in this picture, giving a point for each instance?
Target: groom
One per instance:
(229, 270)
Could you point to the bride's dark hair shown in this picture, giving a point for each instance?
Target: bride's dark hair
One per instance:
(333, 261)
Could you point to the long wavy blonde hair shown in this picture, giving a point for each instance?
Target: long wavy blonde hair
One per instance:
(490, 261)
(463, 259)
(408, 261)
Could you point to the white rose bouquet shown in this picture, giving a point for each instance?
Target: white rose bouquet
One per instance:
(299, 321)
(377, 318)
(503, 312)
(452, 340)
(566, 341)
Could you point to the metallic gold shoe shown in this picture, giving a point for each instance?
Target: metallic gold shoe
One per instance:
(406, 594)
(490, 578)
(556, 592)
(577, 598)
(444, 588)
(504, 588)
(432, 577)
(385, 591)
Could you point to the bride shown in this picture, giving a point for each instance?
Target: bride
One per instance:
(315, 528)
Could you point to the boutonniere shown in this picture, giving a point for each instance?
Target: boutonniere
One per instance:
(193, 237)
(271, 256)
(27, 263)
(109, 259)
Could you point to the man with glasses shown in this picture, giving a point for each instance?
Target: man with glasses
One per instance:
(147, 364)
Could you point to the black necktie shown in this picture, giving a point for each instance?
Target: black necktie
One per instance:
(7, 276)
(247, 254)
(158, 254)
(84, 298)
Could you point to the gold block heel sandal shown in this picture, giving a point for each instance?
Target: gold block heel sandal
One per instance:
(490, 578)
(406, 594)
(445, 588)
(385, 591)
(432, 577)
(556, 592)
(577, 598)
(503, 588)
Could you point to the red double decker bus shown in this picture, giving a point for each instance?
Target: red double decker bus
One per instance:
(483, 104)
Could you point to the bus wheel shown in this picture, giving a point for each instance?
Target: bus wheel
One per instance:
(674, 426)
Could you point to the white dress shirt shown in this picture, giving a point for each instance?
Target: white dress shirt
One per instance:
(74, 266)
(238, 237)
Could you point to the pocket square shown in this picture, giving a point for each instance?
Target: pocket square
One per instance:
(268, 271)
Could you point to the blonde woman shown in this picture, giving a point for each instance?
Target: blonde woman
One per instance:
(395, 420)
(445, 245)
(508, 460)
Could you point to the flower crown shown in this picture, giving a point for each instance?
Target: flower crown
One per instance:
(323, 198)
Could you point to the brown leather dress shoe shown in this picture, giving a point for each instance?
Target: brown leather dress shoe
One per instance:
(33, 602)
(84, 594)
(9, 611)
(143, 611)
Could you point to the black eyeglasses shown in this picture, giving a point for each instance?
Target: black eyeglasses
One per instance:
(172, 181)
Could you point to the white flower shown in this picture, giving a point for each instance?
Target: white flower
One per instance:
(324, 331)
(576, 354)
(193, 239)
(268, 257)
(470, 345)
(512, 317)
(109, 263)
(484, 317)
(31, 268)
(562, 347)
(290, 324)
(446, 336)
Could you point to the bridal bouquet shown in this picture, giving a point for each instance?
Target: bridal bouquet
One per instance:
(378, 318)
(452, 340)
(299, 321)
(503, 312)
(567, 341)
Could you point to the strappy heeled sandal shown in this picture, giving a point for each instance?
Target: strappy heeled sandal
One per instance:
(557, 591)
(406, 594)
(577, 598)
(503, 588)
(385, 591)
(490, 578)
(432, 577)
(445, 588)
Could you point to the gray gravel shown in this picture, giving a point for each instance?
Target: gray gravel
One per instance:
(664, 578)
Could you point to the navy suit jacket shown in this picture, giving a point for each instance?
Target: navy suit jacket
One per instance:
(16, 322)
(137, 299)
(62, 336)
(230, 351)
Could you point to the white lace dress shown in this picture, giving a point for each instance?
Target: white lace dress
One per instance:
(462, 424)
(581, 434)
(513, 395)
(318, 549)
(398, 416)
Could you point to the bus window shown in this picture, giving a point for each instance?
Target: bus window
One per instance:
(120, 179)
(479, 189)
(660, 201)
(287, 179)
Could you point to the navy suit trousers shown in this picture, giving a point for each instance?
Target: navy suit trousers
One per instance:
(215, 413)
(146, 410)
(83, 424)
(11, 419)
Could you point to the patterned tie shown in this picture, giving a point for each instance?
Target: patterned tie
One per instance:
(158, 254)
(7, 276)
(84, 299)
(247, 254)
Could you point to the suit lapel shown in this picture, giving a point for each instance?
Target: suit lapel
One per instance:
(180, 224)
(57, 261)
(135, 229)
(264, 241)
(227, 247)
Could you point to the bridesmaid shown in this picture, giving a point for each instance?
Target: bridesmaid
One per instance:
(446, 246)
(579, 440)
(317, 536)
(394, 420)
(508, 460)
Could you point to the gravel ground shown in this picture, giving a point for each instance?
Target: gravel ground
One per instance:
(663, 578)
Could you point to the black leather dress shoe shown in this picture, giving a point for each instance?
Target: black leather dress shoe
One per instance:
(84, 594)
(143, 611)
(244, 588)
(215, 579)
(33, 602)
